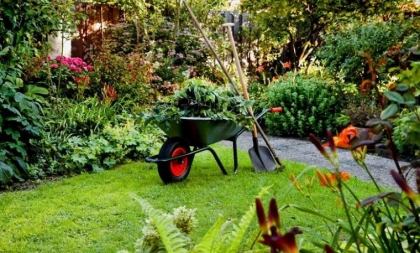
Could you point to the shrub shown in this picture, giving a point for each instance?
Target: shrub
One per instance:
(310, 105)
(92, 136)
(360, 109)
(129, 74)
(400, 136)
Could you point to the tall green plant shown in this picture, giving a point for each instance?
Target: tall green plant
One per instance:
(20, 124)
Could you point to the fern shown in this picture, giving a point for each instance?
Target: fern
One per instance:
(235, 239)
(208, 242)
(172, 239)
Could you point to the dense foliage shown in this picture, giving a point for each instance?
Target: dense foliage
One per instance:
(24, 26)
(200, 98)
(310, 106)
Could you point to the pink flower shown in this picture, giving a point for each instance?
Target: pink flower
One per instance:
(60, 58)
(54, 66)
(75, 68)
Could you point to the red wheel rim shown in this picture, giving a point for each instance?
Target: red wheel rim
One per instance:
(179, 166)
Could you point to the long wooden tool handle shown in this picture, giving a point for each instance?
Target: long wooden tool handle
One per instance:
(230, 80)
(239, 69)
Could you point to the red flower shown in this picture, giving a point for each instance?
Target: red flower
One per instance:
(270, 228)
(109, 94)
(287, 65)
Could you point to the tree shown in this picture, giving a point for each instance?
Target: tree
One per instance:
(293, 28)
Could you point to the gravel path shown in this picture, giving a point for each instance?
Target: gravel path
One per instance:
(305, 152)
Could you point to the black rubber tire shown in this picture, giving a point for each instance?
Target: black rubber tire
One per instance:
(176, 170)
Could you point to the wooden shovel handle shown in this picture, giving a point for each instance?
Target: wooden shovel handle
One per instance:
(240, 73)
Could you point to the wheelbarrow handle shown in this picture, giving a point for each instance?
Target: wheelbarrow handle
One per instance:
(276, 109)
(272, 110)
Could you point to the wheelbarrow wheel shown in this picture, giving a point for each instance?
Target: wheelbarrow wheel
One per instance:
(178, 169)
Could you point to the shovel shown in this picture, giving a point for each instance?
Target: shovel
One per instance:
(232, 83)
(260, 156)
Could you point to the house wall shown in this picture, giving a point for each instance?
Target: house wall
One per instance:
(61, 45)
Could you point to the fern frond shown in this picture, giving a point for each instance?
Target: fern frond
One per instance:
(236, 237)
(208, 242)
(173, 240)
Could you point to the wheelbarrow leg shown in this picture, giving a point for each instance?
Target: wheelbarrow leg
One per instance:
(216, 157)
(235, 154)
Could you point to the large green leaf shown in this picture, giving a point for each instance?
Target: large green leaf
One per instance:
(6, 172)
(34, 91)
(389, 112)
(394, 96)
(409, 99)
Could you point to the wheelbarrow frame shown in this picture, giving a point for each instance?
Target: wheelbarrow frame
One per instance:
(198, 147)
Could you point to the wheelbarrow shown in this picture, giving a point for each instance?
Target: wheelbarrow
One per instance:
(176, 156)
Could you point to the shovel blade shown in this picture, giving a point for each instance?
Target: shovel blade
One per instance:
(261, 159)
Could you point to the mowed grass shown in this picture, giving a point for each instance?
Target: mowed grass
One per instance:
(95, 213)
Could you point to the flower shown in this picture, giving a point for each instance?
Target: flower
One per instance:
(54, 66)
(344, 138)
(270, 228)
(330, 180)
(260, 68)
(109, 94)
(287, 65)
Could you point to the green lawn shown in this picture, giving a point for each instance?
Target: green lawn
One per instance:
(94, 212)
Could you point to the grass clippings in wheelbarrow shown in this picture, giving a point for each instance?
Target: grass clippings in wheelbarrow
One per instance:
(201, 98)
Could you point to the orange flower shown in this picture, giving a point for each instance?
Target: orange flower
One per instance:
(329, 179)
(344, 138)
(260, 68)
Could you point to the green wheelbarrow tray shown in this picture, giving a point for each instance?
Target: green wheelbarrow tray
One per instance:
(201, 131)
